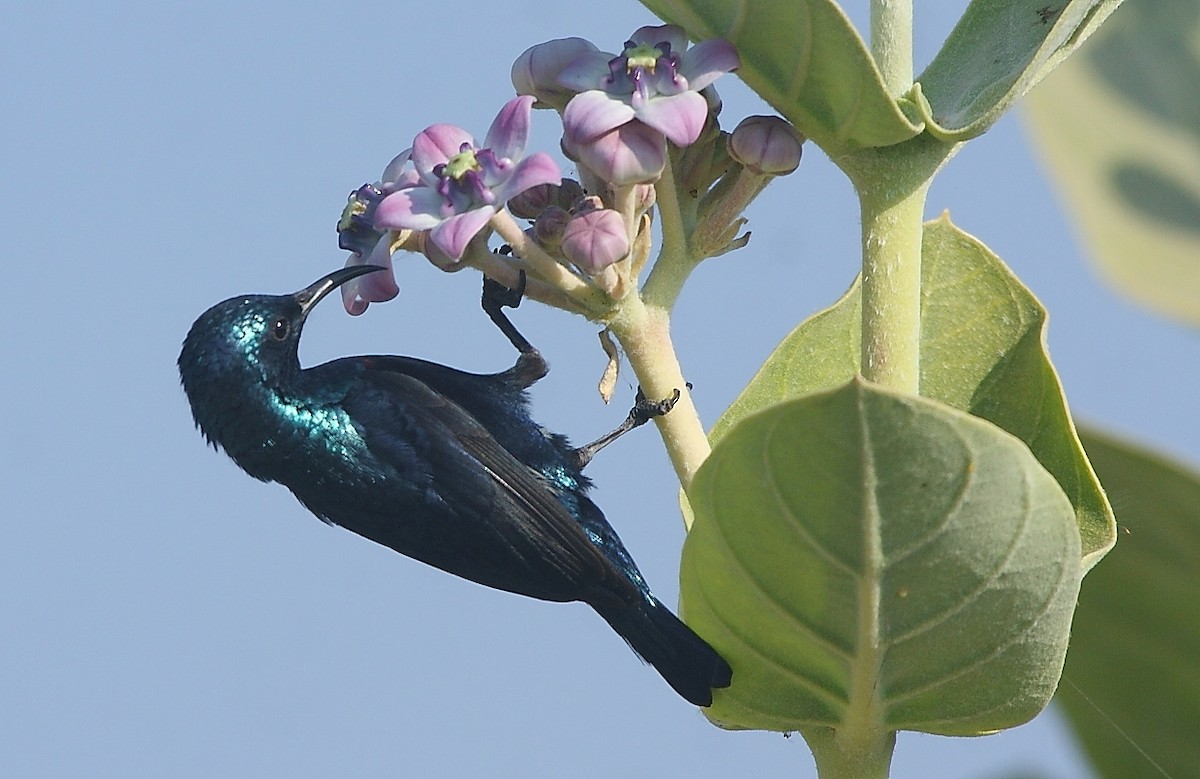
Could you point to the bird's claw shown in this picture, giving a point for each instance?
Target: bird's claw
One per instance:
(645, 409)
(497, 296)
(642, 412)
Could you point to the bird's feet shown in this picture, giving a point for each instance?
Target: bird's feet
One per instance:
(530, 365)
(642, 412)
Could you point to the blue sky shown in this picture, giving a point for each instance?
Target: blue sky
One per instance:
(163, 614)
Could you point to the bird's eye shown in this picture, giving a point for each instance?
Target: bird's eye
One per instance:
(280, 329)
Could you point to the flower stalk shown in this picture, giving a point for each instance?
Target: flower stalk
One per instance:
(644, 333)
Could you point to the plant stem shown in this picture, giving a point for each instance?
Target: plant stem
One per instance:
(645, 334)
(891, 43)
(674, 263)
(839, 755)
(503, 271)
(891, 287)
(543, 264)
(891, 185)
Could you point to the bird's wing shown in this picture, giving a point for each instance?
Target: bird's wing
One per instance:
(468, 468)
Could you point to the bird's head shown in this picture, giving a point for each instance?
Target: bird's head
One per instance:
(250, 340)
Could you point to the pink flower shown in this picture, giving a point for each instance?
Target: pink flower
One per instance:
(367, 244)
(657, 80)
(463, 184)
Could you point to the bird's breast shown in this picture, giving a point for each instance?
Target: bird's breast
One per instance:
(303, 444)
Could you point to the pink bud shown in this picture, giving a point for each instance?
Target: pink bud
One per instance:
(594, 240)
(767, 145)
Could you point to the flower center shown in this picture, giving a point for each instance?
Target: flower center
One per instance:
(643, 57)
(643, 70)
(461, 164)
(461, 179)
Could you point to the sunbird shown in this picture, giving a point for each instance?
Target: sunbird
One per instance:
(443, 466)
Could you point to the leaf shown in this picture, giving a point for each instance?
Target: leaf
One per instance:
(806, 59)
(1135, 646)
(982, 351)
(996, 53)
(866, 557)
(1118, 128)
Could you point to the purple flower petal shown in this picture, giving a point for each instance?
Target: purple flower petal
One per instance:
(510, 129)
(435, 146)
(652, 35)
(631, 154)
(592, 114)
(587, 71)
(707, 60)
(679, 117)
(452, 235)
(415, 208)
(665, 82)
(398, 173)
(378, 287)
(537, 70)
(537, 168)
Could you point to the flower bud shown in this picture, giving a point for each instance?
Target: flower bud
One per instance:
(587, 203)
(532, 202)
(646, 195)
(549, 227)
(594, 240)
(767, 145)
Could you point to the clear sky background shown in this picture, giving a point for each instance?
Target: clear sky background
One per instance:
(163, 614)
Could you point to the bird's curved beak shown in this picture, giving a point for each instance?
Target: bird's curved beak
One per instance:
(312, 294)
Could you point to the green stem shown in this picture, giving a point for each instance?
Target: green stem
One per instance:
(840, 754)
(891, 286)
(891, 43)
(673, 264)
(645, 334)
(891, 185)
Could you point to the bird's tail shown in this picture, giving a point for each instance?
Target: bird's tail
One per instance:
(686, 661)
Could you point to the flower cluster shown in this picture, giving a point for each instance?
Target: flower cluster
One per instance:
(626, 118)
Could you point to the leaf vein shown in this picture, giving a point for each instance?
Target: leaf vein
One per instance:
(1001, 648)
(970, 597)
(746, 574)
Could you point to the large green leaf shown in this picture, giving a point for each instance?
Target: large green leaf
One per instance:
(1119, 130)
(806, 59)
(982, 351)
(879, 562)
(1132, 683)
(996, 53)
